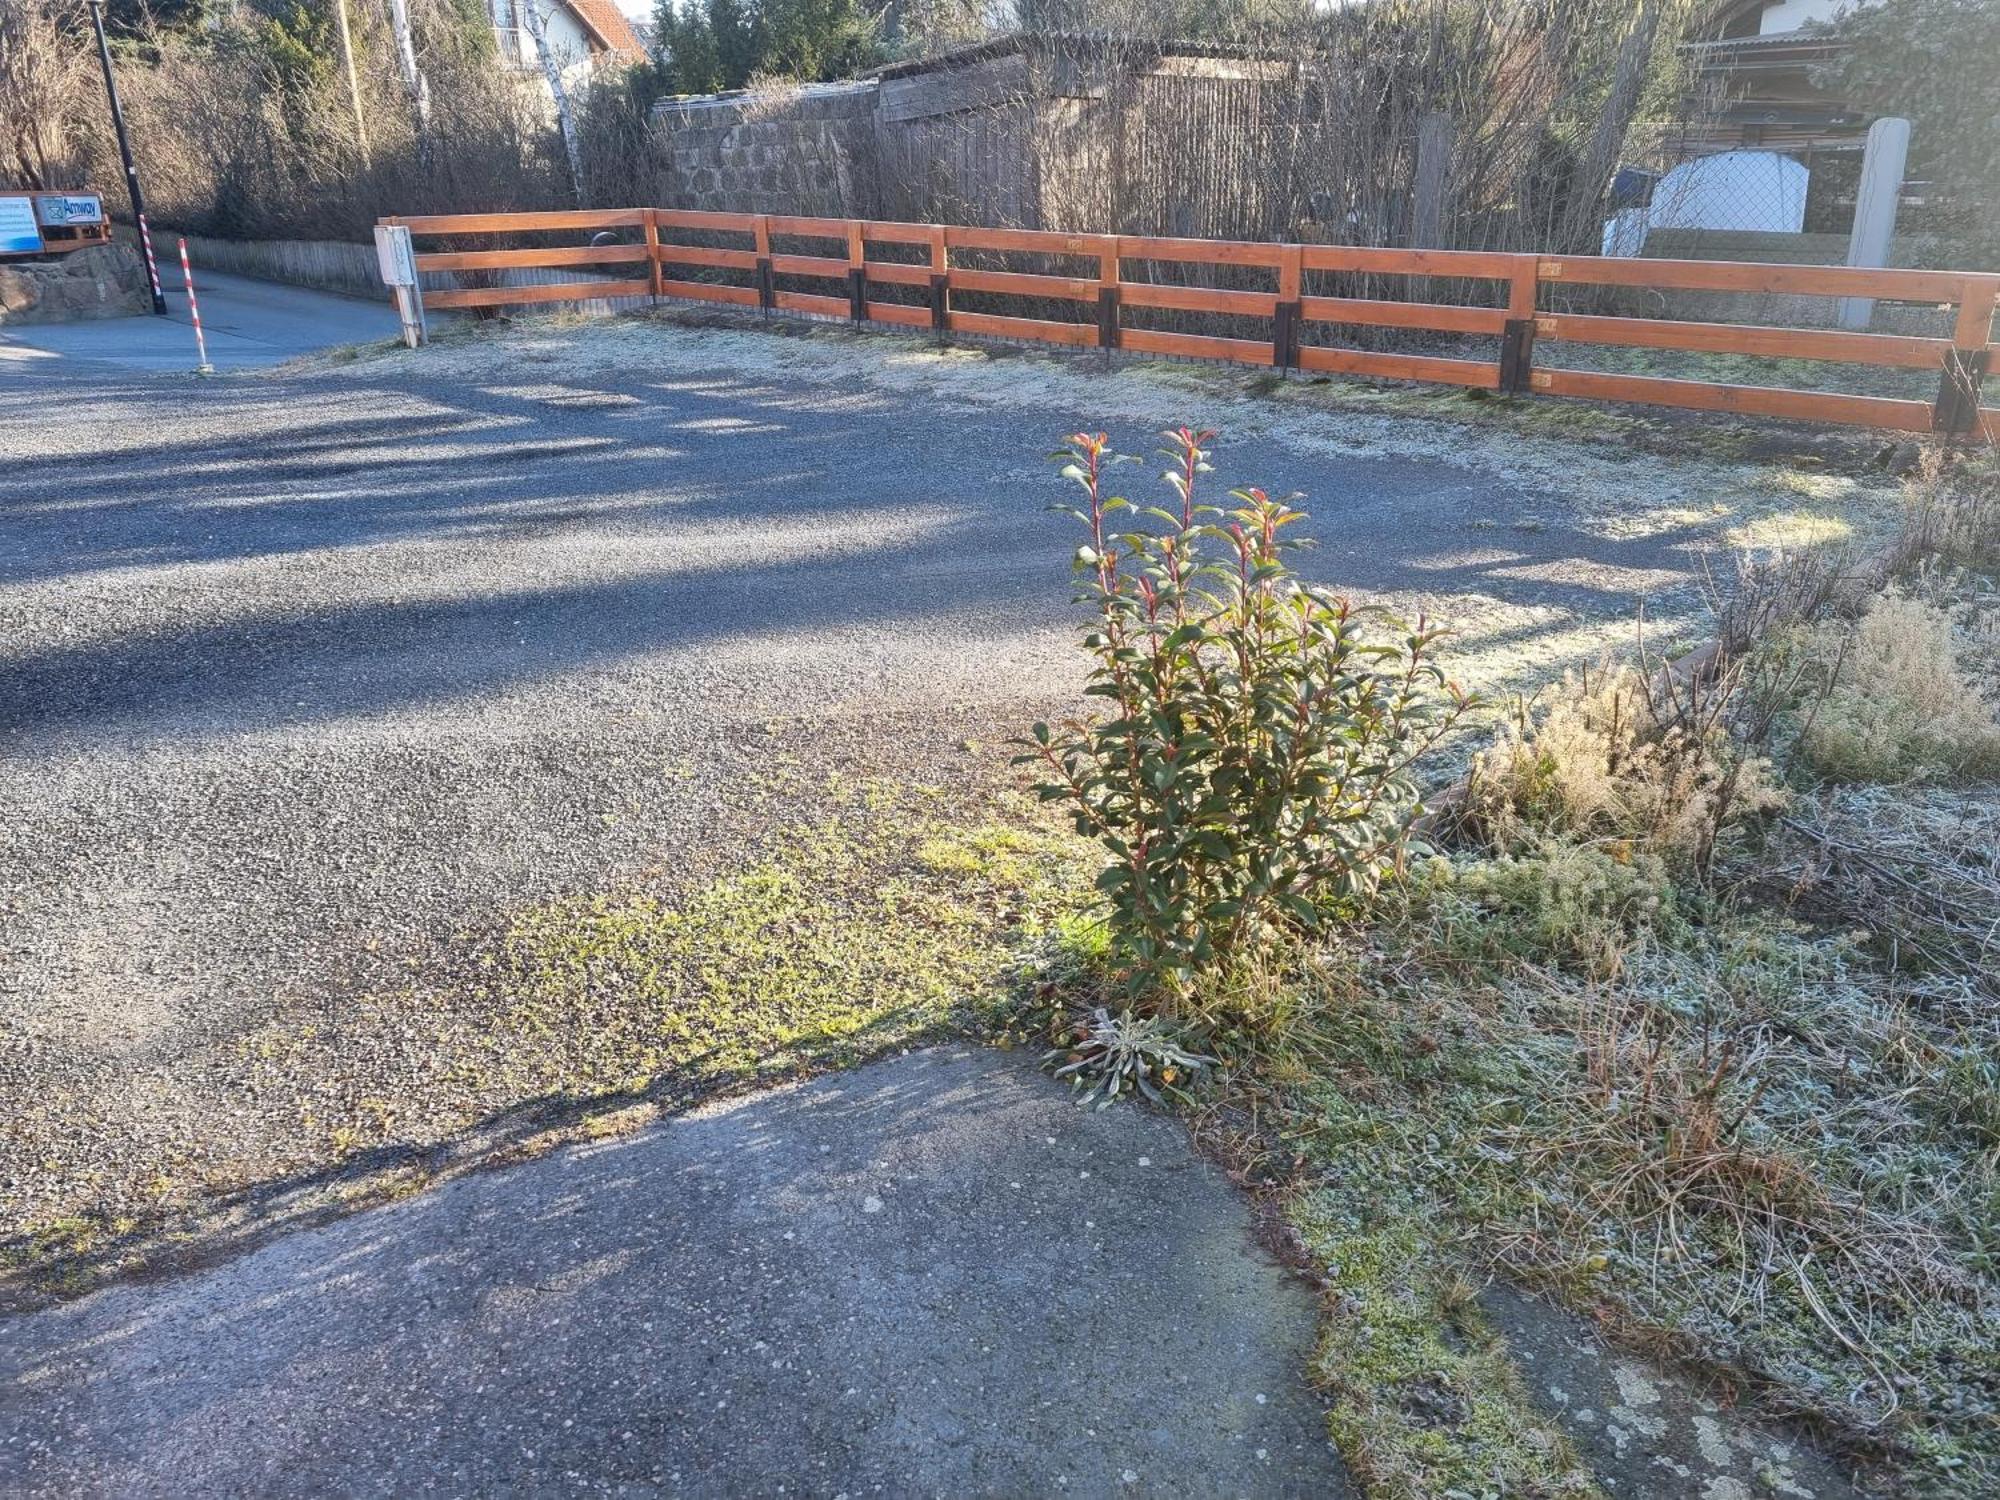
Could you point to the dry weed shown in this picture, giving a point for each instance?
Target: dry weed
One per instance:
(1904, 704)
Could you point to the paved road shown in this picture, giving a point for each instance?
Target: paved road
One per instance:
(296, 663)
(933, 1276)
(249, 325)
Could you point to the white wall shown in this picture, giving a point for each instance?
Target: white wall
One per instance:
(1790, 15)
(567, 39)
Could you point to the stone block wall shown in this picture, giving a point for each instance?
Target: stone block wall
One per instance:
(809, 150)
(105, 281)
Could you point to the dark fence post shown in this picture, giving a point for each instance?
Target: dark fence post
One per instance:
(767, 286)
(1107, 317)
(1956, 412)
(1285, 336)
(1517, 355)
(1517, 337)
(940, 282)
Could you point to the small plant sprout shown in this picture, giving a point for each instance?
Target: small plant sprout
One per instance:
(1109, 1056)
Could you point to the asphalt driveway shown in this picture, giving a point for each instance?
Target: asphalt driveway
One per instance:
(248, 325)
(306, 672)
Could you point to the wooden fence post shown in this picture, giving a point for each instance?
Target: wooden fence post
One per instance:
(1110, 271)
(857, 273)
(1517, 340)
(1285, 319)
(653, 251)
(767, 287)
(940, 283)
(1956, 412)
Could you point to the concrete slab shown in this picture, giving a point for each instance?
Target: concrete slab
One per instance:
(932, 1276)
(1647, 1433)
(249, 324)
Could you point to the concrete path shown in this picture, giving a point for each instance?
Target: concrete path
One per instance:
(932, 1276)
(249, 324)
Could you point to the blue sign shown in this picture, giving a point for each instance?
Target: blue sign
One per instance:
(19, 233)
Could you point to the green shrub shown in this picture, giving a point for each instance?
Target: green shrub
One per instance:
(1255, 765)
(1573, 903)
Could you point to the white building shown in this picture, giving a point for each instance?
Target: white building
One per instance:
(581, 34)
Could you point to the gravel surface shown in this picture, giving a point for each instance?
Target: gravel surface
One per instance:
(305, 673)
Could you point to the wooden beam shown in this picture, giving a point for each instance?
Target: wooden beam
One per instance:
(1020, 284)
(577, 218)
(1734, 338)
(1441, 317)
(1753, 400)
(568, 255)
(1197, 298)
(1037, 329)
(1196, 346)
(568, 291)
(1756, 276)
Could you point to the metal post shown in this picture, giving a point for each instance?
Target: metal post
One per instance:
(397, 258)
(194, 312)
(1882, 162)
(125, 154)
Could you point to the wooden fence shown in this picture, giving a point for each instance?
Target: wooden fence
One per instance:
(863, 258)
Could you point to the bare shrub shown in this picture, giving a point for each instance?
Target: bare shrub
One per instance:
(48, 86)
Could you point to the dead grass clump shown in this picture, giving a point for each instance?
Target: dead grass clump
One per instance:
(1904, 704)
(1951, 513)
(1633, 760)
(1914, 872)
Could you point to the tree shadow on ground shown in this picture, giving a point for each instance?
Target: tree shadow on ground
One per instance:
(607, 519)
(229, 1222)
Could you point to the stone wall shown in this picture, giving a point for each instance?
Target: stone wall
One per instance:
(808, 150)
(105, 281)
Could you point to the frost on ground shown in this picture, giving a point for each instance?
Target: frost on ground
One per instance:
(319, 692)
(1701, 507)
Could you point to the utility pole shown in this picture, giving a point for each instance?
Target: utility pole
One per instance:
(125, 153)
(353, 83)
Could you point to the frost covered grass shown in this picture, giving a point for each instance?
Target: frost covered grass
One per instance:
(1688, 1035)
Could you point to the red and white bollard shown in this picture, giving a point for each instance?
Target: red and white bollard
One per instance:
(194, 312)
(152, 267)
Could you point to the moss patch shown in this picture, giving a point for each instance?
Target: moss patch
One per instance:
(887, 920)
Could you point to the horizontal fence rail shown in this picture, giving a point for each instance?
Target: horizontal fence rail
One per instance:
(920, 270)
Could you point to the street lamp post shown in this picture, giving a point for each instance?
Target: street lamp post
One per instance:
(125, 153)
